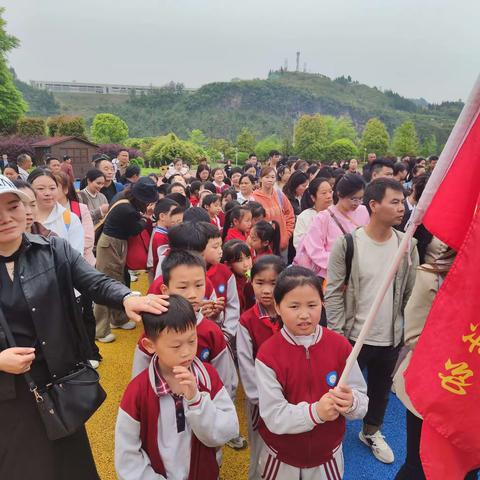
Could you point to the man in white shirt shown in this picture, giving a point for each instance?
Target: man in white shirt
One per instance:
(24, 162)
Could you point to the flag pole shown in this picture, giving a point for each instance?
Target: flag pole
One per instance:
(457, 136)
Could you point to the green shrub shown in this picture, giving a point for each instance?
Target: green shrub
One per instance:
(31, 127)
(340, 150)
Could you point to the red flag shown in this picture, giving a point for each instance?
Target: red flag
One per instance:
(443, 378)
(450, 213)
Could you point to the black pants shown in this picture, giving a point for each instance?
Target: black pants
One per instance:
(90, 325)
(380, 363)
(412, 468)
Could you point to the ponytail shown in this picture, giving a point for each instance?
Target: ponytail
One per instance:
(235, 212)
(269, 232)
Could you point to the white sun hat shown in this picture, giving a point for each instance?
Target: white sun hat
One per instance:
(6, 186)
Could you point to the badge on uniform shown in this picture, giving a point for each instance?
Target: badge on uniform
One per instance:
(221, 288)
(204, 355)
(332, 378)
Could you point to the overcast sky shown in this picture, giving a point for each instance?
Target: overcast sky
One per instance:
(419, 48)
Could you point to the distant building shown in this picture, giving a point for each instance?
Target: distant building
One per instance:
(102, 88)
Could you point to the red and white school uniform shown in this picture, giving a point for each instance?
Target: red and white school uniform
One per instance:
(246, 295)
(293, 373)
(157, 432)
(235, 234)
(216, 221)
(157, 250)
(221, 188)
(256, 326)
(225, 285)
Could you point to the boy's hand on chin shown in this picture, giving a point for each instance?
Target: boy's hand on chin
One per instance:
(187, 381)
(326, 408)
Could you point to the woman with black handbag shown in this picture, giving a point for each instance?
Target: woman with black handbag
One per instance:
(42, 335)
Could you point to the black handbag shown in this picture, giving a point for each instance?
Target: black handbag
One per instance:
(67, 403)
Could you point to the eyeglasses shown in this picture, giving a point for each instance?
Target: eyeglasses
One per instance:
(356, 199)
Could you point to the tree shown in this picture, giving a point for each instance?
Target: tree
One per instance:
(198, 138)
(405, 140)
(263, 147)
(67, 125)
(31, 127)
(341, 150)
(311, 136)
(108, 128)
(375, 137)
(168, 147)
(344, 128)
(430, 146)
(218, 148)
(12, 104)
(246, 140)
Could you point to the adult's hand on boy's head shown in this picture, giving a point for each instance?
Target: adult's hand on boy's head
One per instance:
(150, 303)
(342, 397)
(326, 408)
(187, 381)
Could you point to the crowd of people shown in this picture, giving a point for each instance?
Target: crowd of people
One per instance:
(222, 308)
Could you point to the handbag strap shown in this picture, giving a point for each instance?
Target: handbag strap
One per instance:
(335, 219)
(11, 341)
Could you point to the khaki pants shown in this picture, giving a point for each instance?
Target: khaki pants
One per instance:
(111, 258)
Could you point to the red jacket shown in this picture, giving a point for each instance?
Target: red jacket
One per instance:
(245, 293)
(235, 234)
(303, 375)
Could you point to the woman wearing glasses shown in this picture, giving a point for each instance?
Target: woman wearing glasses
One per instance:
(343, 217)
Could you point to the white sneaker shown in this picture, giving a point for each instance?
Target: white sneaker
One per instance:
(107, 339)
(126, 326)
(238, 443)
(378, 445)
(133, 277)
(94, 363)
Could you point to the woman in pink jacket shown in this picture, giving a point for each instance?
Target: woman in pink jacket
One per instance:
(347, 214)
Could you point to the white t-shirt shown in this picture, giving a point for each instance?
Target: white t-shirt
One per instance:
(374, 260)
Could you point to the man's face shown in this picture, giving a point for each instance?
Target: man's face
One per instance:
(385, 171)
(123, 158)
(187, 281)
(390, 210)
(371, 157)
(253, 160)
(54, 166)
(275, 159)
(106, 168)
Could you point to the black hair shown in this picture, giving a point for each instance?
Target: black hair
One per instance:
(13, 166)
(281, 170)
(272, 153)
(19, 183)
(153, 176)
(294, 277)
(101, 159)
(252, 155)
(209, 186)
(256, 209)
(233, 251)
(177, 184)
(296, 179)
(215, 170)
(123, 150)
(163, 205)
(299, 164)
(399, 167)
(236, 170)
(377, 188)
(347, 185)
(195, 187)
(163, 189)
(49, 159)
(229, 191)
(182, 200)
(416, 168)
(231, 214)
(179, 317)
(180, 257)
(265, 262)
(209, 199)
(41, 172)
(177, 210)
(377, 165)
(196, 214)
(311, 192)
(201, 168)
(93, 174)
(187, 236)
(312, 170)
(269, 232)
(131, 171)
(170, 179)
(137, 204)
(418, 185)
(250, 165)
(247, 175)
(210, 231)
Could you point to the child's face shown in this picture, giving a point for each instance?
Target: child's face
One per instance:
(218, 176)
(214, 208)
(178, 165)
(189, 282)
(235, 178)
(176, 219)
(257, 219)
(243, 266)
(300, 310)
(165, 219)
(263, 284)
(255, 242)
(213, 251)
(244, 223)
(226, 199)
(173, 348)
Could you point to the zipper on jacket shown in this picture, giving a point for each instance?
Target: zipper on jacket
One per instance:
(309, 368)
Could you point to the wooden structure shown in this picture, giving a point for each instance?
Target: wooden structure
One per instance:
(80, 150)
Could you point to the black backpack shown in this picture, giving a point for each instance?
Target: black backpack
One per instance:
(348, 258)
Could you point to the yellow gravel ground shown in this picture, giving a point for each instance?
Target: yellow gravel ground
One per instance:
(115, 373)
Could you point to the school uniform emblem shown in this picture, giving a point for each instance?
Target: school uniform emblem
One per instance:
(221, 288)
(204, 354)
(332, 378)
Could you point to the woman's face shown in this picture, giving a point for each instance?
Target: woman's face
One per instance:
(178, 189)
(251, 171)
(204, 174)
(179, 179)
(324, 197)
(30, 207)
(12, 218)
(218, 176)
(352, 165)
(246, 187)
(46, 191)
(96, 185)
(300, 189)
(286, 175)
(235, 178)
(10, 173)
(268, 180)
(352, 202)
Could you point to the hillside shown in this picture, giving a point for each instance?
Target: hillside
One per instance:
(267, 106)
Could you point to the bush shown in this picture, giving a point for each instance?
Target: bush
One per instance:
(169, 147)
(263, 147)
(341, 150)
(108, 128)
(31, 127)
(14, 145)
(111, 149)
(137, 161)
(67, 125)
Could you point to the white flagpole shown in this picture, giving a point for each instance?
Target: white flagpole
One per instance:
(460, 131)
